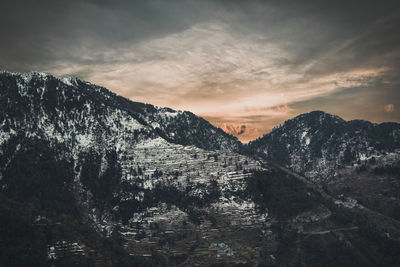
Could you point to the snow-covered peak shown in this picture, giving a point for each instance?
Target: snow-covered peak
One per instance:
(41, 91)
(68, 80)
(316, 144)
(27, 76)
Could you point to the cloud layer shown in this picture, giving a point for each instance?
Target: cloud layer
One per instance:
(252, 63)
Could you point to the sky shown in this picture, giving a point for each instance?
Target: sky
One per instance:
(246, 66)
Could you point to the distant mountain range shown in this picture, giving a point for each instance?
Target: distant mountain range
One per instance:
(93, 179)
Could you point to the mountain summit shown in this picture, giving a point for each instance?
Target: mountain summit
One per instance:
(318, 144)
(69, 108)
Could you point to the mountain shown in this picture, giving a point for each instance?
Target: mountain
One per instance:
(90, 178)
(318, 144)
(50, 98)
(73, 149)
(356, 159)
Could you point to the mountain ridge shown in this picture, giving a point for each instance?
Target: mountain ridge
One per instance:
(140, 111)
(71, 80)
(97, 179)
(328, 140)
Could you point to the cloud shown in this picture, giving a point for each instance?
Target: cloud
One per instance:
(389, 108)
(210, 70)
(243, 132)
(252, 63)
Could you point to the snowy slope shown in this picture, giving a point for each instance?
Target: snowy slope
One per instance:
(165, 183)
(319, 144)
(120, 151)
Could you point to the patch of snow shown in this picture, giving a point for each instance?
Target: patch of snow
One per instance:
(307, 141)
(4, 137)
(160, 213)
(67, 81)
(156, 142)
(84, 140)
(304, 138)
(303, 135)
(155, 125)
(128, 123)
(170, 114)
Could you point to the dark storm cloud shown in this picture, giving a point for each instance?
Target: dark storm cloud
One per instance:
(227, 60)
(36, 33)
(346, 34)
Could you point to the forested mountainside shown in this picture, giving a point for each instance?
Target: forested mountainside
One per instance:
(319, 145)
(93, 179)
(350, 159)
(41, 100)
